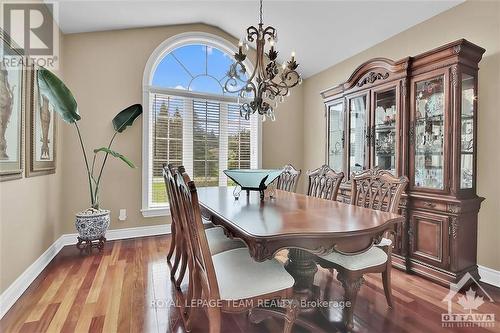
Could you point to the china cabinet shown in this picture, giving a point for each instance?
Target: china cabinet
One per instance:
(416, 117)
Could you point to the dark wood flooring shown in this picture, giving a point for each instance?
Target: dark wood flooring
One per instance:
(126, 288)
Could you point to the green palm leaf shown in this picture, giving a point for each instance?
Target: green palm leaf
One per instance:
(57, 92)
(126, 117)
(115, 154)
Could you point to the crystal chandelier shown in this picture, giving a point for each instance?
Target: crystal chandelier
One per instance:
(269, 83)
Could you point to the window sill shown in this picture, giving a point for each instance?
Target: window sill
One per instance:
(156, 212)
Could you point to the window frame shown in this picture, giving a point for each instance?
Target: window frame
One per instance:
(155, 58)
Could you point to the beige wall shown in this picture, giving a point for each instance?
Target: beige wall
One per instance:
(30, 210)
(104, 70)
(479, 22)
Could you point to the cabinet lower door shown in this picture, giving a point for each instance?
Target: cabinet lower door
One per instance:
(429, 238)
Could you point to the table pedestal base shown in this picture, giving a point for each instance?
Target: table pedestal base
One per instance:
(302, 267)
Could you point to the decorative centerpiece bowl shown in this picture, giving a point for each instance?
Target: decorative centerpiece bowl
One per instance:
(252, 179)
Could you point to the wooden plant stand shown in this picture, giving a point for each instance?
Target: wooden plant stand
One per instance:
(87, 244)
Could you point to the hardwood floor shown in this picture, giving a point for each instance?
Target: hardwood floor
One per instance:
(126, 288)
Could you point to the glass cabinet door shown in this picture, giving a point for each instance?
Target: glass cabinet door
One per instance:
(336, 136)
(429, 132)
(384, 131)
(467, 131)
(358, 119)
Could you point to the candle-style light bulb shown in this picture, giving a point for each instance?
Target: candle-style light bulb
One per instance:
(283, 65)
(293, 55)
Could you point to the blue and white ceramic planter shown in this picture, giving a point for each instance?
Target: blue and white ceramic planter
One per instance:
(92, 224)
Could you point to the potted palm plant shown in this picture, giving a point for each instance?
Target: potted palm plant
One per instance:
(93, 222)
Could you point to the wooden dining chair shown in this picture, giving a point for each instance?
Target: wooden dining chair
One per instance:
(230, 281)
(288, 179)
(324, 183)
(380, 190)
(218, 242)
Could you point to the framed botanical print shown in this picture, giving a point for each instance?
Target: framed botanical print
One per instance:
(12, 103)
(41, 137)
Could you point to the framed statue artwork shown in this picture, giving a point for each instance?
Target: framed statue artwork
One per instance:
(12, 103)
(41, 136)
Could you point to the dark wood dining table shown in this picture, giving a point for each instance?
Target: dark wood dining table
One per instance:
(305, 225)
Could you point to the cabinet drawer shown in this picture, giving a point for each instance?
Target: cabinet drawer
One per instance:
(428, 204)
(429, 238)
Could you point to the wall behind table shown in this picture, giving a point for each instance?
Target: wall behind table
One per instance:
(476, 21)
(105, 71)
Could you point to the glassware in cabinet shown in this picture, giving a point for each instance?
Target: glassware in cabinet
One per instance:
(429, 133)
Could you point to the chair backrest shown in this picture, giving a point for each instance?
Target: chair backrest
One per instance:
(288, 179)
(377, 189)
(203, 267)
(324, 183)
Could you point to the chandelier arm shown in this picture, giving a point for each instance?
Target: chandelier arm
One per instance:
(269, 31)
(291, 75)
(252, 33)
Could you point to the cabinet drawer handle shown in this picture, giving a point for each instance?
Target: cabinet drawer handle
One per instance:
(429, 204)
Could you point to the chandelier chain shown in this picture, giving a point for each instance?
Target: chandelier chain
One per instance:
(261, 12)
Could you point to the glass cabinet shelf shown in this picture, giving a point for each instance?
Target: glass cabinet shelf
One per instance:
(383, 135)
(358, 119)
(429, 131)
(467, 131)
(336, 136)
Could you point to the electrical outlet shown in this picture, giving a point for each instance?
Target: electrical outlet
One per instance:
(123, 215)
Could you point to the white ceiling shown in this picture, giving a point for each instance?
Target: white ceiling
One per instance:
(322, 33)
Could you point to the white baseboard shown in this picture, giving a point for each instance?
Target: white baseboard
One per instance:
(19, 286)
(489, 276)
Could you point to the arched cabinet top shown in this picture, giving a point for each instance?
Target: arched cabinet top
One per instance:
(370, 73)
(381, 70)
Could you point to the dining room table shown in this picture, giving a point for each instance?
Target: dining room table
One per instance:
(304, 225)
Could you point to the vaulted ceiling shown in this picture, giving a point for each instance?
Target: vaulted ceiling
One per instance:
(322, 33)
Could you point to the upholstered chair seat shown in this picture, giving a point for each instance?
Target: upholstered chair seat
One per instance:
(241, 277)
(385, 242)
(373, 257)
(218, 242)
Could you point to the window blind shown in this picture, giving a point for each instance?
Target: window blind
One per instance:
(205, 135)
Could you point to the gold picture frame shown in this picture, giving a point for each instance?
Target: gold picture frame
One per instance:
(13, 96)
(41, 145)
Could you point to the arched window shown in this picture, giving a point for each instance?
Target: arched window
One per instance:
(190, 119)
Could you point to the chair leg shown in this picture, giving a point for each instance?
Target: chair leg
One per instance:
(172, 244)
(386, 280)
(351, 283)
(292, 312)
(193, 311)
(214, 319)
